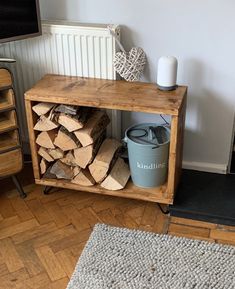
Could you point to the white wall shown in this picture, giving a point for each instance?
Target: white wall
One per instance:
(201, 35)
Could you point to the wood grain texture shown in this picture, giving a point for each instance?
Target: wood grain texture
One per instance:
(31, 120)
(131, 191)
(7, 99)
(127, 96)
(115, 95)
(42, 252)
(8, 141)
(50, 263)
(5, 78)
(7, 120)
(189, 231)
(11, 157)
(118, 176)
(11, 162)
(10, 255)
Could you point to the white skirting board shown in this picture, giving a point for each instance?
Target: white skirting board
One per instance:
(205, 167)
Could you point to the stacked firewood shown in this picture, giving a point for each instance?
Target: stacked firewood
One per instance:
(73, 146)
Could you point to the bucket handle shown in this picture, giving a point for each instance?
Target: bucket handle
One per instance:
(151, 135)
(155, 145)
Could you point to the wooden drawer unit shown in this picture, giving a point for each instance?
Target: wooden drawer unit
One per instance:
(7, 120)
(11, 162)
(10, 148)
(7, 100)
(5, 78)
(117, 95)
(9, 140)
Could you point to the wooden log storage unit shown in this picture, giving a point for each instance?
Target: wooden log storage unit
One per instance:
(109, 94)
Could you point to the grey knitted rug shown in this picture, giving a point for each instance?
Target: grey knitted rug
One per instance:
(116, 258)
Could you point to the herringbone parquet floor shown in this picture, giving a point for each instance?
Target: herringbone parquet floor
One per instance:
(42, 237)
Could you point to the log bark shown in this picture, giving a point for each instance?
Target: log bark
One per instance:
(118, 176)
(48, 174)
(85, 155)
(76, 171)
(62, 171)
(69, 159)
(43, 166)
(68, 109)
(104, 158)
(56, 153)
(66, 140)
(45, 124)
(46, 139)
(44, 153)
(42, 108)
(84, 178)
(93, 128)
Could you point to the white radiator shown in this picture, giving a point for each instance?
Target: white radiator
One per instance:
(64, 48)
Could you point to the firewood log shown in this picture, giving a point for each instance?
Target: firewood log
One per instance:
(48, 174)
(45, 124)
(56, 153)
(46, 139)
(93, 128)
(118, 176)
(84, 178)
(44, 153)
(42, 108)
(66, 140)
(43, 166)
(68, 109)
(69, 159)
(62, 171)
(85, 155)
(103, 160)
(76, 171)
(69, 122)
(74, 122)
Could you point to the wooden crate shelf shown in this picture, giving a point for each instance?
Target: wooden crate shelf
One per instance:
(119, 95)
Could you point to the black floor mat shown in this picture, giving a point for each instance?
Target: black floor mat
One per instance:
(233, 164)
(206, 196)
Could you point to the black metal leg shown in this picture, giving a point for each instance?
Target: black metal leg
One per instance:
(47, 190)
(19, 187)
(165, 212)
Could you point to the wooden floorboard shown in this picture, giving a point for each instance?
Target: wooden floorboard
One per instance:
(42, 237)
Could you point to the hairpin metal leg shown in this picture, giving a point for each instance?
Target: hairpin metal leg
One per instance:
(47, 190)
(165, 212)
(18, 187)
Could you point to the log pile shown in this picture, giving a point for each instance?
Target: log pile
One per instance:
(72, 146)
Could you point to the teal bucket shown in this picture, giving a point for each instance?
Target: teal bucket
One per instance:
(148, 152)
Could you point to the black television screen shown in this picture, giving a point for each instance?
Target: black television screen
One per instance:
(19, 19)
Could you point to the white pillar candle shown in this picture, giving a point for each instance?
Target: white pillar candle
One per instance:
(167, 73)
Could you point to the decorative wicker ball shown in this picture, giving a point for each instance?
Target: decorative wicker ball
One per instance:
(130, 65)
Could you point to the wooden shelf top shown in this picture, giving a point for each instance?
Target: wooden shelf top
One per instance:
(110, 94)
